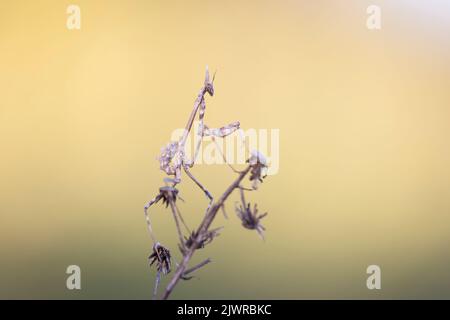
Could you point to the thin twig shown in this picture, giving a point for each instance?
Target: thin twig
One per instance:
(198, 266)
(225, 215)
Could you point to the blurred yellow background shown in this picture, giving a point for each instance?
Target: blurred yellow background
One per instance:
(364, 145)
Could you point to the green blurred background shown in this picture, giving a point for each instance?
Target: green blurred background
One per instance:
(364, 145)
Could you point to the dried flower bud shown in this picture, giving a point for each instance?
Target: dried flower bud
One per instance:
(161, 256)
(251, 220)
(206, 238)
(258, 165)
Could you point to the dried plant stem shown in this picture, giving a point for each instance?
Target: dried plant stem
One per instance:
(198, 266)
(202, 229)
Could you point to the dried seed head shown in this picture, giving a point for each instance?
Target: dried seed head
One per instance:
(168, 194)
(258, 170)
(205, 239)
(250, 219)
(161, 256)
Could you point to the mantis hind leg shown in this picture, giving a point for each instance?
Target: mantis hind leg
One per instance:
(207, 193)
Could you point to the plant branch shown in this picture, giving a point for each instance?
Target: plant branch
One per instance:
(202, 229)
(198, 266)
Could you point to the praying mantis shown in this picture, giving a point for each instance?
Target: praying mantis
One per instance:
(173, 159)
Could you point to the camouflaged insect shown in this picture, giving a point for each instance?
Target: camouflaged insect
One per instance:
(173, 160)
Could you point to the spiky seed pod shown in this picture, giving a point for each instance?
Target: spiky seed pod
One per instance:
(205, 239)
(168, 194)
(250, 218)
(161, 256)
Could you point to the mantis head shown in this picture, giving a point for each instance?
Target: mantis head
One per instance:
(209, 85)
